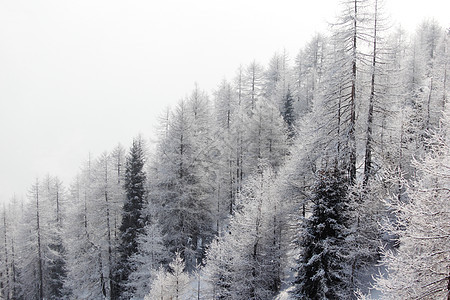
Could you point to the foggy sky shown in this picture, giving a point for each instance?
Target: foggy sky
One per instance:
(78, 77)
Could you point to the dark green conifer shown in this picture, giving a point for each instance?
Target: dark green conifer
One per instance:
(288, 114)
(133, 222)
(321, 272)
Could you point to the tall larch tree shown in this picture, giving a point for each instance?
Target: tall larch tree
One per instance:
(308, 72)
(183, 186)
(32, 248)
(277, 79)
(85, 277)
(54, 206)
(374, 73)
(267, 138)
(12, 218)
(151, 255)
(104, 201)
(245, 260)
(6, 264)
(253, 84)
(225, 108)
(343, 90)
(419, 267)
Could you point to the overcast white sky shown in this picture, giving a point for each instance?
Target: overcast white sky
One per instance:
(82, 76)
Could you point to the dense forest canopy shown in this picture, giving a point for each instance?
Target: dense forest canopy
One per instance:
(319, 176)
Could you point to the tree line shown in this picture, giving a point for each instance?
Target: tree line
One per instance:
(299, 178)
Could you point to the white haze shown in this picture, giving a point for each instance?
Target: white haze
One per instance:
(78, 77)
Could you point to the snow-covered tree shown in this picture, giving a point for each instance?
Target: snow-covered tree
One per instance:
(245, 261)
(419, 268)
(364, 236)
(225, 102)
(289, 114)
(91, 228)
(133, 220)
(55, 205)
(343, 92)
(253, 83)
(85, 278)
(226, 161)
(267, 138)
(277, 79)
(42, 264)
(308, 73)
(322, 271)
(145, 262)
(230, 179)
(172, 284)
(181, 186)
(10, 218)
(377, 106)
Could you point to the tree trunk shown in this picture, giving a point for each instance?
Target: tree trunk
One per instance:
(369, 138)
(7, 284)
(38, 229)
(13, 263)
(429, 104)
(351, 134)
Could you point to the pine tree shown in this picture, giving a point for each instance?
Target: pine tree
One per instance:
(321, 272)
(133, 222)
(288, 114)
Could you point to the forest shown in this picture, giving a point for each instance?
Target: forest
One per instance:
(320, 176)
